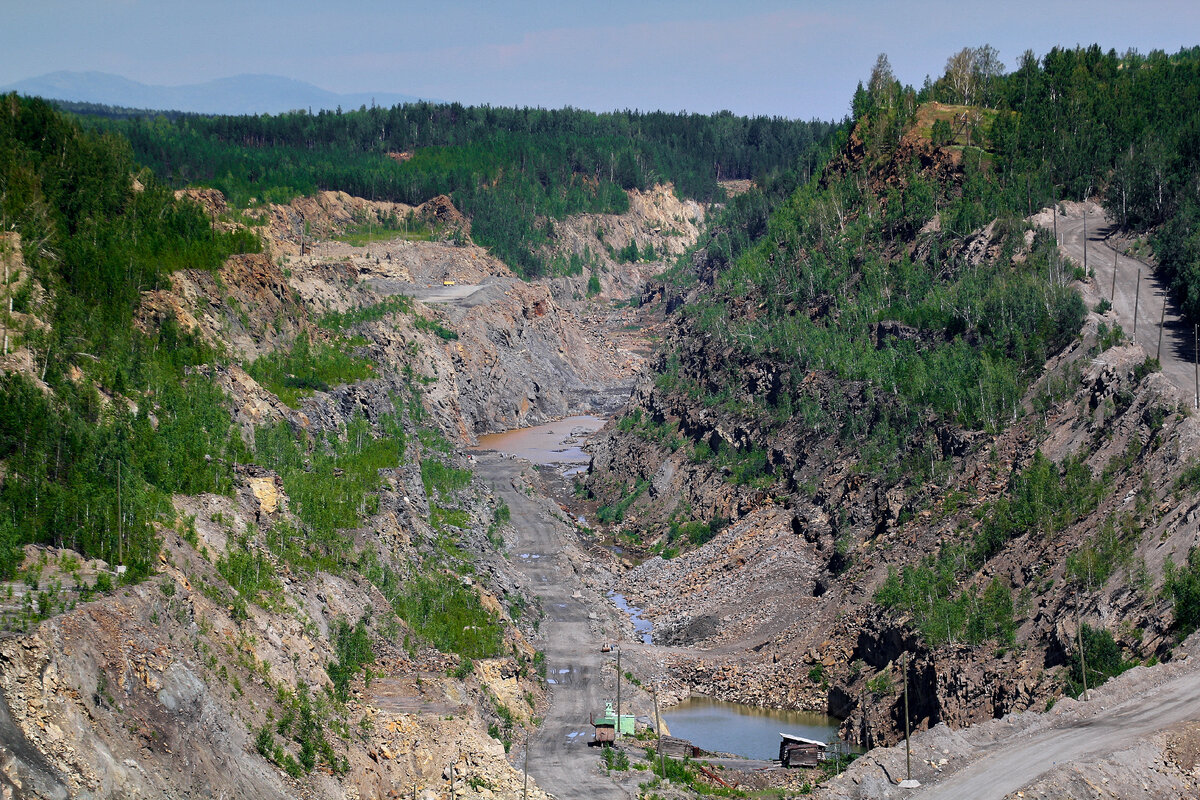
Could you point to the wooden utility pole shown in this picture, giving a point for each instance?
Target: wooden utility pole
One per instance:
(1161, 322)
(1136, 294)
(1196, 358)
(1082, 659)
(120, 521)
(907, 748)
(1085, 216)
(618, 732)
(1112, 295)
(662, 764)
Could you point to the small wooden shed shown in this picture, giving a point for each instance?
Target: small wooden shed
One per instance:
(796, 751)
(606, 727)
(677, 748)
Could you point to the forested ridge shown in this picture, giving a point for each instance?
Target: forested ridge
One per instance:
(805, 287)
(78, 471)
(858, 305)
(1076, 123)
(511, 170)
(119, 413)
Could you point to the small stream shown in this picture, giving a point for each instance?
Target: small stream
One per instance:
(643, 627)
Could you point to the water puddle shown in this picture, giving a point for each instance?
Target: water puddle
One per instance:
(744, 730)
(643, 627)
(558, 444)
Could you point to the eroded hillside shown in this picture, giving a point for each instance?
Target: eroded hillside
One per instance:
(326, 609)
(880, 434)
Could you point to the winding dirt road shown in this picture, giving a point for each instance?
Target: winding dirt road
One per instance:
(1177, 341)
(545, 553)
(1013, 765)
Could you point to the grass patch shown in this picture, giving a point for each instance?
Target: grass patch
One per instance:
(307, 368)
(433, 326)
(439, 609)
(616, 511)
(331, 484)
(441, 479)
(340, 321)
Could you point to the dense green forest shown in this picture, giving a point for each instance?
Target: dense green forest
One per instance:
(510, 170)
(80, 469)
(1082, 122)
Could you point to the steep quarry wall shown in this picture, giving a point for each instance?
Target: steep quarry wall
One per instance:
(778, 608)
(180, 686)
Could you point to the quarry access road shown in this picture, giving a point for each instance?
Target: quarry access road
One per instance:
(546, 555)
(1016, 762)
(458, 294)
(1177, 342)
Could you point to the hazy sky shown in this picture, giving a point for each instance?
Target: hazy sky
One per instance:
(797, 59)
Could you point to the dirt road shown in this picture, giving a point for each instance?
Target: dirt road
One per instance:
(1177, 352)
(1012, 765)
(559, 759)
(459, 294)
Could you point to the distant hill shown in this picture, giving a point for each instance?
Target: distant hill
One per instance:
(240, 94)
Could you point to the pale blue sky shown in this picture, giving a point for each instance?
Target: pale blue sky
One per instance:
(797, 59)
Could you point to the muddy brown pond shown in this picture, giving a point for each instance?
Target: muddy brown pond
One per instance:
(558, 444)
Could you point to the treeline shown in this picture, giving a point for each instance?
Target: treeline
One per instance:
(509, 169)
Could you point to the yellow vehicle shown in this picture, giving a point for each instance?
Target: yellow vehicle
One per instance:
(448, 282)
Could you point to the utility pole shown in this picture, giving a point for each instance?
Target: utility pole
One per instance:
(618, 734)
(662, 764)
(907, 749)
(120, 521)
(1079, 634)
(1136, 294)
(1085, 216)
(525, 791)
(1161, 322)
(1112, 295)
(1196, 358)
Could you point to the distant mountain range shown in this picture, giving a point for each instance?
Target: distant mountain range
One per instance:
(240, 94)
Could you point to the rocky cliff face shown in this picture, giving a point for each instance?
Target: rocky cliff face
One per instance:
(778, 608)
(187, 686)
(657, 221)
